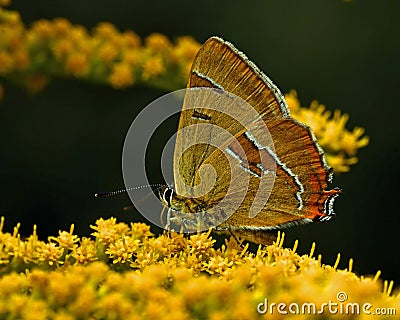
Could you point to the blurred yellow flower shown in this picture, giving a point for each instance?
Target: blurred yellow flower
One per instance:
(340, 145)
(52, 48)
(43, 29)
(105, 31)
(57, 48)
(6, 63)
(130, 40)
(11, 17)
(125, 271)
(77, 64)
(153, 67)
(22, 59)
(61, 27)
(62, 48)
(108, 52)
(121, 76)
(5, 3)
(144, 276)
(183, 54)
(158, 43)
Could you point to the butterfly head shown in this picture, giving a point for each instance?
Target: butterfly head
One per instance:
(171, 200)
(166, 195)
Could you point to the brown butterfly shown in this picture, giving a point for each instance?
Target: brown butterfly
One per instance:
(249, 173)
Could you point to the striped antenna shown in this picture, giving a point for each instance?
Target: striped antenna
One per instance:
(113, 193)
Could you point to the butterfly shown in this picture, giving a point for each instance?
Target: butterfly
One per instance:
(247, 170)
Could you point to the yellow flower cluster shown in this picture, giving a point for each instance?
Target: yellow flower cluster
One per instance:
(126, 272)
(340, 145)
(57, 48)
(29, 56)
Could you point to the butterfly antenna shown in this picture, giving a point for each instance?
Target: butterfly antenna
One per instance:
(113, 193)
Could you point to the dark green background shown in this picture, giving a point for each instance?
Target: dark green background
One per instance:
(61, 146)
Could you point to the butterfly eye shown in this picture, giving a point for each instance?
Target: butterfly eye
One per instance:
(167, 195)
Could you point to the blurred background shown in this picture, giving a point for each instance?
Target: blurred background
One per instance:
(62, 145)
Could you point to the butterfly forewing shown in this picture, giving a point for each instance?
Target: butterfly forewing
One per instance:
(219, 64)
(209, 118)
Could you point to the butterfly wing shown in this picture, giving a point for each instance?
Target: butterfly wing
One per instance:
(221, 66)
(293, 190)
(294, 162)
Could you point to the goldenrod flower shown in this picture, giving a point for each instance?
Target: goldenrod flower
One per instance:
(131, 58)
(4, 3)
(105, 31)
(340, 162)
(56, 48)
(170, 272)
(11, 17)
(121, 76)
(86, 252)
(130, 40)
(6, 63)
(108, 52)
(186, 49)
(140, 231)
(183, 54)
(77, 64)
(153, 67)
(340, 145)
(122, 250)
(158, 43)
(62, 48)
(50, 253)
(66, 240)
(43, 29)
(21, 59)
(106, 231)
(61, 27)
(52, 48)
